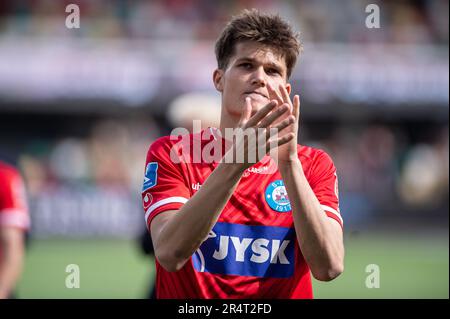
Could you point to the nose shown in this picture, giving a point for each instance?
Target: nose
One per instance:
(259, 77)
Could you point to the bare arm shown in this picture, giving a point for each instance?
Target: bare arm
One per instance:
(320, 237)
(12, 249)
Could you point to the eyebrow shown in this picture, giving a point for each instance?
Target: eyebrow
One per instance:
(271, 64)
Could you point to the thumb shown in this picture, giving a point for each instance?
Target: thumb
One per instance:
(246, 112)
(296, 107)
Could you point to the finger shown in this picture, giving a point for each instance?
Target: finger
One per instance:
(296, 110)
(271, 144)
(254, 120)
(285, 123)
(277, 129)
(274, 94)
(285, 95)
(274, 115)
(285, 138)
(246, 112)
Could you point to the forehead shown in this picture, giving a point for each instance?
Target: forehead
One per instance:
(259, 52)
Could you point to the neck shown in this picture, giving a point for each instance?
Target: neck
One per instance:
(227, 121)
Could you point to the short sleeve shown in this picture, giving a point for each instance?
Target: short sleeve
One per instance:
(13, 204)
(324, 183)
(164, 187)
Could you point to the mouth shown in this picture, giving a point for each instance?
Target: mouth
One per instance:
(256, 95)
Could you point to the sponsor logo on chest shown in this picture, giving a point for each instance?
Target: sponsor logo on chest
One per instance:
(235, 249)
(196, 186)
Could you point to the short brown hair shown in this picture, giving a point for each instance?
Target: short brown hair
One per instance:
(251, 25)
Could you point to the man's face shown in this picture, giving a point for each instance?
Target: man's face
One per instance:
(252, 67)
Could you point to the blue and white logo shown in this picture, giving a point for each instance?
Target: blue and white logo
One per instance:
(235, 249)
(277, 197)
(150, 178)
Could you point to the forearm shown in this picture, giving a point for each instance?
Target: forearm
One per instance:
(10, 267)
(188, 228)
(319, 239)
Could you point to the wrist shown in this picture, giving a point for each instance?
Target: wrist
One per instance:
(231, 170)
(288, 165)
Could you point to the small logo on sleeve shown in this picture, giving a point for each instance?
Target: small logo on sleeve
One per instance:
(150, 178)
(277, 197)
(147, 199)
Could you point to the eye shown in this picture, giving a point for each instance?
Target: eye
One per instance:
(245, 65)
(273, 71)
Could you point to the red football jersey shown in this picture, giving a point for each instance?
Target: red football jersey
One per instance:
(13, 205)
(252, 250)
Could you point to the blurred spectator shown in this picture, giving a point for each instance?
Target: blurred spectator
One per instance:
(195, 107)
(327, 20)
(424, 177)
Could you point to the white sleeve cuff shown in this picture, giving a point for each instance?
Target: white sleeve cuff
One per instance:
(334, 212)
(162, 202)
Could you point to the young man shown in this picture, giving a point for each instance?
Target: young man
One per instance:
(245, 229)
(14, 221)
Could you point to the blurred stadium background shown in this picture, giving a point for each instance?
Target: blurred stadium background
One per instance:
(79, 108)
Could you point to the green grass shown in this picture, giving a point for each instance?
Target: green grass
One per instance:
(409, 268)
(108, 269)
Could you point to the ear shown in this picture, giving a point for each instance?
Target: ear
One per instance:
(288, 88)
(218, 79)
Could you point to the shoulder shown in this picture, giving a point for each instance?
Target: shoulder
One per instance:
(159, 150)
(8, 172)
(173, 148)
(162, 142)
(174, 139)
(317, 164)
(313, 156)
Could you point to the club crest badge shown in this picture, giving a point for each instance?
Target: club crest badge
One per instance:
(277, 197)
